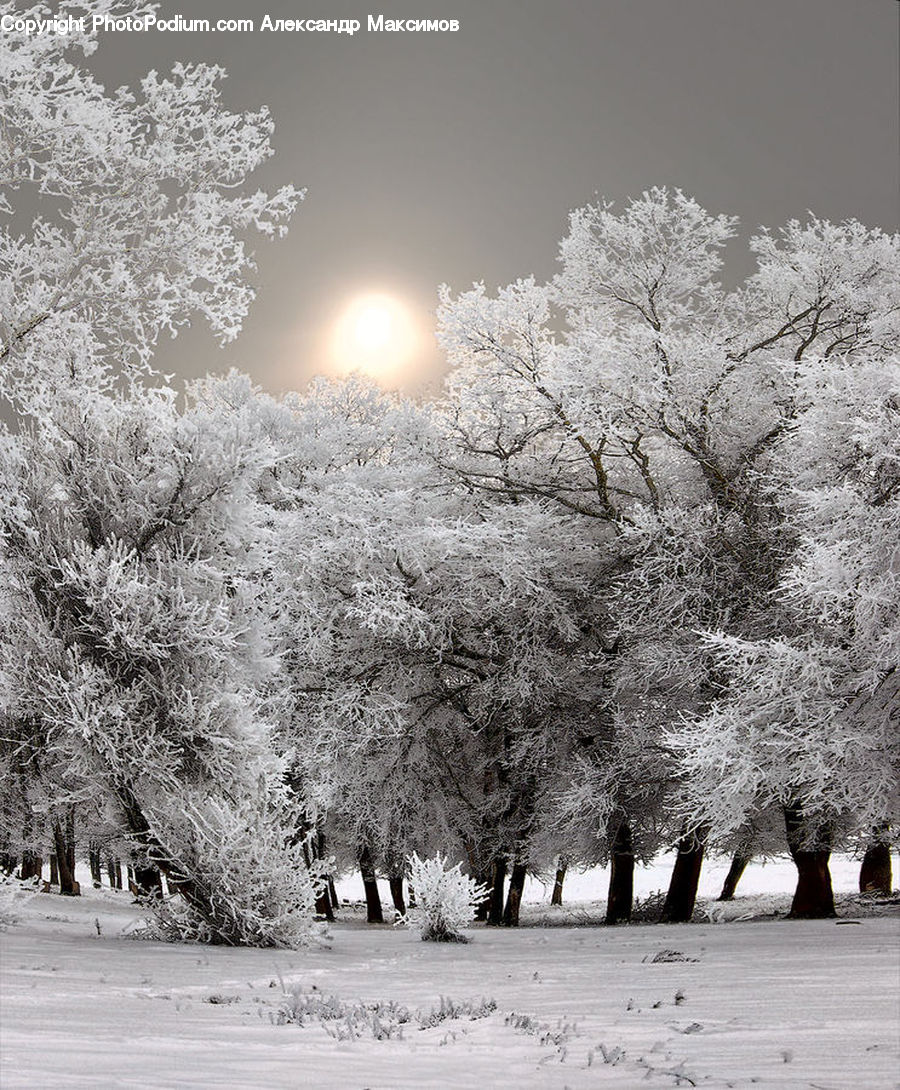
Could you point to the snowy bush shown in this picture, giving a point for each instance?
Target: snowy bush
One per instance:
(382, 1020)
(13, 894)
(344, 1021)
(446, 899)
(648, 909)
(239, 880)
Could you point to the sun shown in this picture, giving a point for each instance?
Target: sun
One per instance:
(373, 324)
(375, 333)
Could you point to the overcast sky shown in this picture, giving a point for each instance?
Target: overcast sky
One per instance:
(457, 157)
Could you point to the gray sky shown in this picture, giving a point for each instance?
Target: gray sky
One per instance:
(457, 157)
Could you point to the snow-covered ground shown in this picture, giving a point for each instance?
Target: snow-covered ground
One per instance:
(810, 1005)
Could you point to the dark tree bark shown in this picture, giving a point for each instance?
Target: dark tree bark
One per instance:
(64, 842)
(114, 873)
(54, 870)
(810, 850)
(396, 884)
(314, 849)
(328, 904)
(556, 898)
(875, 875)
(374, 913)
(682, 893)
(621, 875)
(32, 865)
(323, 903)
(514, 896)
(739, 862)
(8, 862)
(498, 880)
(95, 865)
(148, 881)
(335, 903)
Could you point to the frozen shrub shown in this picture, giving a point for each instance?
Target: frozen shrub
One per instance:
(238, 880)
(451, 1010)
(382, 1020)
(446, 899)
(649, 909)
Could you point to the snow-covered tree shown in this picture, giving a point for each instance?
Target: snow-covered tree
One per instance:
(428, 634)
(134, 651)
(576, 419)
(811, 725)
(126, 212)
(657, 416)
(134, 655)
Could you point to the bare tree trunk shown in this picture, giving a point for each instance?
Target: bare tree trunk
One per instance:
(54, 870)
(556, 898)
(8, 862)
(875, 874)
(514, 896)
(335, 903)
(739, 862)
(498, 880)
(323, 903)
(64, 842)
(682, 893)
(813, 897)
(312, 850)
(621, 875)
(32, 865)
(114, 873)
(70, 840)
(396, 885)
(148, 882)
(374, 913)
(95, 864)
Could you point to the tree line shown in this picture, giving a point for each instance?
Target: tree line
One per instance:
(629, 583)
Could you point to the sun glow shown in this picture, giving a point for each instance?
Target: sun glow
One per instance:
(375, 333)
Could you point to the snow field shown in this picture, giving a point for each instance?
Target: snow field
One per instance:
(777, 1004)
